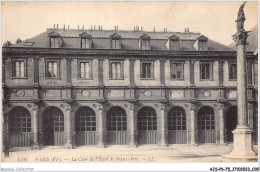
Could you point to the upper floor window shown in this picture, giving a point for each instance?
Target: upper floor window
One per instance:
(116, 44)
(85, 43)
(174, 45)
(54, 42)
(19, 69)
(147, 70)
(116, 70)
(52, 69)
(177, 70)
(206, 71)
(145, 45)
(232, 71)
(202, 45)
(85, 70)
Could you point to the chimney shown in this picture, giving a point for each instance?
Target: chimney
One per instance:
(94, 27)
(83, 27)
(57, 26)
(91, 27)
(64, 26)
(68, 26)
(154, 29)
(54, 26)
(78, 26)
(187, 29)
(101, 27)
(141, 28)
(116, 27)
(165, 30)
(134, 28)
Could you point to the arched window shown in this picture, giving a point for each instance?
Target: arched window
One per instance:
(206, 119)
(20, 120)
(177, 119)
(147, 119)
(85, 119)
(116, 119)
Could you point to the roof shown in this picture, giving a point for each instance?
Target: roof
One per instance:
(129, 39)
(252, 41)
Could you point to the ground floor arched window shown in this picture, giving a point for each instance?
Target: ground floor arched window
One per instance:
(177, 133)
(206, 125)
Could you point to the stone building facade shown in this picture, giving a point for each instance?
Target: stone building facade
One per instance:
(75, 87)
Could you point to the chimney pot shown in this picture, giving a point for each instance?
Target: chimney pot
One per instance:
(54, 26)
(78, 26)
(141, 28)
(64, 26)
(94, 27)
(82, 26)
(154, 29)
(187, 29)
(57, 26)
(68, 26)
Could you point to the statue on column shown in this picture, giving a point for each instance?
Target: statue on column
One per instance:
(241, 18)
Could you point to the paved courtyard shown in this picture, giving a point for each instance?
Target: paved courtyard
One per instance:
(151, 153)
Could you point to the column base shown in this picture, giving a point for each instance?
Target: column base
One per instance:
(35, 147)
(132, 145)
(68, 145)
(243, 146)
(101, 145)
(163, 145)
(194, 144)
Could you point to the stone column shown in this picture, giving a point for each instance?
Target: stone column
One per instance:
(163, 127)
(132, 126)
(243, 143)
(221, 125)
(35, 128)
(101, 128)
(68, 126)
(193, 128)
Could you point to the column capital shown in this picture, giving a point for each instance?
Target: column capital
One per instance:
(221, 107)
(68, 109)
(35, 109)
(100, 59)
(36, 58)
(162, 107)
(132, 107)
(101, 107)
(69, 59)
(193, 107)
(250, 105)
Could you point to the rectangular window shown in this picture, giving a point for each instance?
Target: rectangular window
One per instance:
(147, 70)
(174, 45)
(177, 71)
(85, 43)
(115, 44)
(202, 45)
(145, 45)
(52, 69)
(54, 42)
(232, 71)
(206, 71)
(116, 70)
(19, 69)
(85, 70)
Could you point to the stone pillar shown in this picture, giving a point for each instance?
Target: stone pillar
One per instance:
(101, 128)
(243, 143)
(132, 142)
(131, 72)
(35, 128)
(68, 126)
(221, 125)
(191, 72)
(193, 125)
(163, 126)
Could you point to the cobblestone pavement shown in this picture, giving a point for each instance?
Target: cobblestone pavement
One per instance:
(147, 153)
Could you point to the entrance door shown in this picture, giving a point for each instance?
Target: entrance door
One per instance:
(116, 126)
(147, 126)
(53, 127)
(231, 122)
(206, 125)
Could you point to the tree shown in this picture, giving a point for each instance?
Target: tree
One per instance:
(7, 43)
(18, 40)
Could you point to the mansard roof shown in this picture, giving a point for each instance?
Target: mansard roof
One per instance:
(130, 39)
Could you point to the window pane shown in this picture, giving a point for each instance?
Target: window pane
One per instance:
(83, 42)
(118, 70)
(87, 70)
(55, 69)
(22, 69)
(52, 42)
(113, 70)
(17, 69)
(56, 43)
(82, 69)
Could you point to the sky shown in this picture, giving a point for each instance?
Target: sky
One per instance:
(216, 20)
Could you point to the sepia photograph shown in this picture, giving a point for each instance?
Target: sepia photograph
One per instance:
(141, 83)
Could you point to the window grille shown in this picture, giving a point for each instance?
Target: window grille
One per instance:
(147, 119)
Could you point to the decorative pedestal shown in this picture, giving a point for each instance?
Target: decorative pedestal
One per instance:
(243, 146)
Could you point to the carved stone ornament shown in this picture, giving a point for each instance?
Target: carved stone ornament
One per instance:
(94, 105)
(29, 105)
(206, 93)
(85, 93)
(19, 93)
(156, 105)
(147, 93)
(62, 105)
(125, 105)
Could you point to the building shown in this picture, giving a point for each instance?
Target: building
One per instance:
(73, 87)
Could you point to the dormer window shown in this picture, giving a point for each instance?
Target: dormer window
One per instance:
(144, 42)
(55, 40)
(85, 40)
(173, 43)
(115, 41)
(201, 44)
